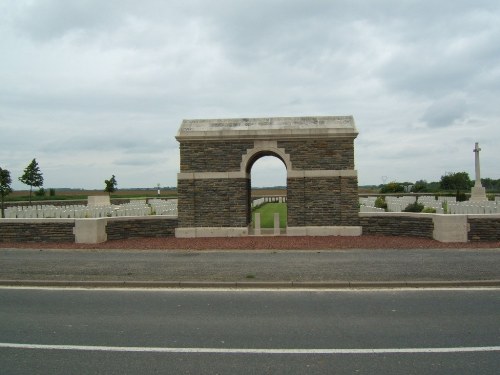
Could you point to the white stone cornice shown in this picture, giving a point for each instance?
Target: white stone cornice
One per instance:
(290, 174)
(211, 175)
(322, 173)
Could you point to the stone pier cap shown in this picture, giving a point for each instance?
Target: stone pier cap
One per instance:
(268, 128)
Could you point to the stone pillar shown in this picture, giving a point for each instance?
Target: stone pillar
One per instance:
(257, 231)
(277, 230)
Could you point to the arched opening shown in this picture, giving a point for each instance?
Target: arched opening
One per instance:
(268, 190)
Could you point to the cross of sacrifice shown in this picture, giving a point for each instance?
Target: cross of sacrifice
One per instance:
(478, 168)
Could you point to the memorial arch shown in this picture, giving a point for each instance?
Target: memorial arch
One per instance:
(216, 157)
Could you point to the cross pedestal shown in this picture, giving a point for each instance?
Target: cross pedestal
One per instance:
(478, 194)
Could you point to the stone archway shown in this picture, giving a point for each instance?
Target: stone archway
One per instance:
(214, 179)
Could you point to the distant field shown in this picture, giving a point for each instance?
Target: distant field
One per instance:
(256, 193)
(267, 214)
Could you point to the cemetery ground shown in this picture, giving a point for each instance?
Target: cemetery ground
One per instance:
(267, 212)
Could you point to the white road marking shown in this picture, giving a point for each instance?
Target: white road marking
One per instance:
(250, 350)
(235, 289)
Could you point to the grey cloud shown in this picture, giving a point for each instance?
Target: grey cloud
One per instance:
(445, 112)
(113, 79)
(49, 19)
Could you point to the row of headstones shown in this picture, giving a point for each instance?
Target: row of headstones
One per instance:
(272, 199)
(164, 207)
(468, 207)
(398, 204)
(158, 207)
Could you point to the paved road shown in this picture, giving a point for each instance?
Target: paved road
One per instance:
(335, 265)
(249, 332)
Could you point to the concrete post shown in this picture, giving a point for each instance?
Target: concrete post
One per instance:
(257, 231)
(277, 230)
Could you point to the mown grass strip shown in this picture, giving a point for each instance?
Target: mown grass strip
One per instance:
(267, 211)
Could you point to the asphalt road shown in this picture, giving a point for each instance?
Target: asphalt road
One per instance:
(66, 331)
(254, 265)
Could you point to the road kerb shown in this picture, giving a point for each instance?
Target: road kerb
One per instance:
(252, 284)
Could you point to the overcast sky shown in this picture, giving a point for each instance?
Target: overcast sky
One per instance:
(92, 88)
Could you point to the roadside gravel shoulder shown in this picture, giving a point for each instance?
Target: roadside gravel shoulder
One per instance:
(261, 243)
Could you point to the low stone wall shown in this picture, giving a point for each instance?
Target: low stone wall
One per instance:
(37, 230)
(444, 228)
(86, 230)
(148, 226)
(484, 228)
(397, 224)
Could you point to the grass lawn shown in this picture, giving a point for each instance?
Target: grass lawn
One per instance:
(267, 214)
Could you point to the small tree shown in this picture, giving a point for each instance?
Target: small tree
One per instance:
(456, 181)
(420, 186)
(5, 188)
(32, 176)
(110, 185)
(392, 187)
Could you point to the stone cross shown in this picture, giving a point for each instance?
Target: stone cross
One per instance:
(478, 167)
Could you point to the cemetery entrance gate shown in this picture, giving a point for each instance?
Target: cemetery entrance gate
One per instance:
(216, 157)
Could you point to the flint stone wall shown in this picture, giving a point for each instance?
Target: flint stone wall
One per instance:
(413, 225)
(213, 202)
(48, 230)
(327, 201)
(212, 156)
(143, 227)
(61, 230)
(484, 229)
(217, 155)
(330, 154)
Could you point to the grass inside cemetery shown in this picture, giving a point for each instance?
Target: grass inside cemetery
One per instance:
(267, 214)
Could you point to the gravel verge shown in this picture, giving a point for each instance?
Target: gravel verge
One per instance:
(262, 243)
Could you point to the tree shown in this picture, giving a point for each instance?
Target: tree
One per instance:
(420, 186)
(456, 181)
(110, 185)
(32, 176)
(5, 188)
(392, 187)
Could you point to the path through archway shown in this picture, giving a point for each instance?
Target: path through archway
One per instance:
(268, 193)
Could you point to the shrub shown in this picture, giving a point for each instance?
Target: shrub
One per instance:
(52, 192)
(461, 197)
(429, 210)
(414, 207)
(380, 203)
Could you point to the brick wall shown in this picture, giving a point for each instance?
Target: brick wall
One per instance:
(119, 228)
(414, 225)
(213, 203)
(18, 230)
(484, 229)
(322, 201)
(212, 156)
(336, 154)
